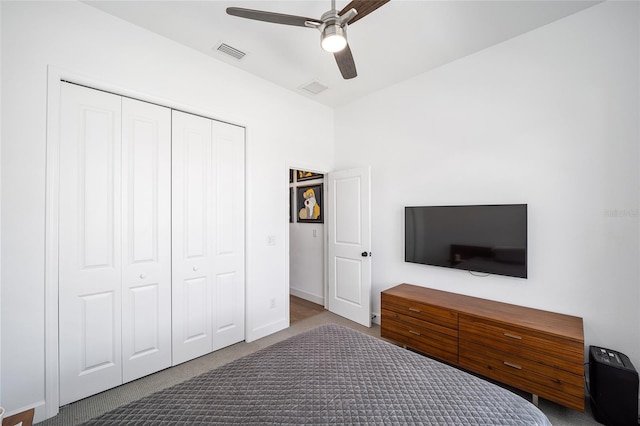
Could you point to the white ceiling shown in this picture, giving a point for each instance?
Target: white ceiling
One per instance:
(398, 41)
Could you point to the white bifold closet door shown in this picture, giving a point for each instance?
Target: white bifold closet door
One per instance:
(114, 241)
(208, 235)
(146, 231)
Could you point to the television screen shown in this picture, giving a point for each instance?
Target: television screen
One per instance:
(487, 238)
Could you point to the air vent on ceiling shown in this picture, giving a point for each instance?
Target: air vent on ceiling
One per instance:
(231, 51)
(314, 87)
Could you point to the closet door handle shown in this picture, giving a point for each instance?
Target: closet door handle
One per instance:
(143, 276)
(195, 268)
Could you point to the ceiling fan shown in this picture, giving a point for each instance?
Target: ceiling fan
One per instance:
(332, 26)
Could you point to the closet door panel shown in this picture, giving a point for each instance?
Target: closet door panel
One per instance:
(146, 213)
(145, 332)
(192, 247)
(196, 310)
(98, 334)
(228, 296)
(89, 243)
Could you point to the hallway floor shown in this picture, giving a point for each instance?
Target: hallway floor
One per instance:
(301, 309)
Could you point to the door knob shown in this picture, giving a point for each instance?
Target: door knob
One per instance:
(195, 268)
(142, 276)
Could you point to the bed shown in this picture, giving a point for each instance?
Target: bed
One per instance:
(330, 375)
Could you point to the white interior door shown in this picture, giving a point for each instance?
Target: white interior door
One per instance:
(228, 262)
(90, 265)
(192, 207)
(146, 231)
(349, 248)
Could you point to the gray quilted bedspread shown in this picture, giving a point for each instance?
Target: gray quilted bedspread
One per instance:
(330, 375)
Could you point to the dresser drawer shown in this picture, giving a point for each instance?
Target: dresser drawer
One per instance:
(552, 384)
(541, 373)
(431, 339)
(418, 324)
(422, 311)
(552, 351)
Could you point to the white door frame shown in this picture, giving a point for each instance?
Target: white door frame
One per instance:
(51, 286)
(325, 236)
(310, 168)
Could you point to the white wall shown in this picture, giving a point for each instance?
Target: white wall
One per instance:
(549, 118)
(0, 202)
(306, 264)
(306, 253)
(79, 38)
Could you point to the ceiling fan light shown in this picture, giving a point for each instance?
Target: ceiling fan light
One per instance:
(333, 38)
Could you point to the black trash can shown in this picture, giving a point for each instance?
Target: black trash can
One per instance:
(613, 384)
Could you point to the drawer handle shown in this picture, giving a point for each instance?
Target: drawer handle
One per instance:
(414, 310)
(414, 332)
(513, 336)
(508, 364)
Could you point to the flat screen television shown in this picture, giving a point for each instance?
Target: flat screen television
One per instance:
(482, 238)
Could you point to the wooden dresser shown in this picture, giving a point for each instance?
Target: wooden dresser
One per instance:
(536, 351)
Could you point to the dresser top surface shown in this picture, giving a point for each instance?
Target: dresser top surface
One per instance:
(549, 322)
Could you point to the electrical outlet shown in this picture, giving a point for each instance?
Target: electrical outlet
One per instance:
(315, 233)
(271, 240)
(272, 304)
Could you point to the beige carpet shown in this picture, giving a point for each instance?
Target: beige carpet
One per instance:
(88, 408)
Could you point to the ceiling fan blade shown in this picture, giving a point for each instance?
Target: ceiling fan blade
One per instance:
(275, 18)
(345, 61)
(363, 7)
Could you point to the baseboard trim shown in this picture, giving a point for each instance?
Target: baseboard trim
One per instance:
(265, 330)
(307, 296)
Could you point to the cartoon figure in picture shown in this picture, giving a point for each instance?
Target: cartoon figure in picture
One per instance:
(311, 209)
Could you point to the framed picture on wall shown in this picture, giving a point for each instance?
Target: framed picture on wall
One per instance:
(309, 204)
(302, 175)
